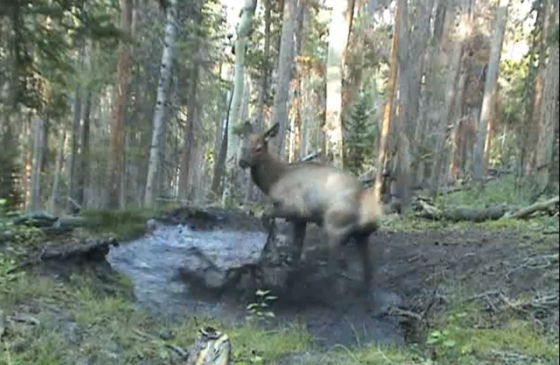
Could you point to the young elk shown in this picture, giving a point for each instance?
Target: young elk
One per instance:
(305, 193)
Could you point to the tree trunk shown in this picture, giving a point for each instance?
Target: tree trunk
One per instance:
(263, 93)
(388, 109)
(189, 143)
(403, 142)
(296, 128)
(38, 153)
(116, 140)
(529, 132)
(536, 103)
(55, 195)
(243, 32)
(75, 162)
(453, 73)
(159, 112)
(338, 41)
(222, 145)
(548, 120)
(427, 98)
(285, 64)
(490, 88)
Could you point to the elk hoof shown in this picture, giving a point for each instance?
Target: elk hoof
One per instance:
(269, 223)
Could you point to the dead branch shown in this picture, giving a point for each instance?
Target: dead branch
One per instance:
(312, 156)
(540, 206)
(395, 311)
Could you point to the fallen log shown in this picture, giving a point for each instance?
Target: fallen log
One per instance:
(461, 213)
(539, 206)
(426, 209)
(89, 248)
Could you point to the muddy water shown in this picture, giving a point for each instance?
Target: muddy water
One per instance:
(152, 263)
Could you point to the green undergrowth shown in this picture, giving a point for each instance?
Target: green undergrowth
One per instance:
(498, 192)
(74, 323)
(501, 191)
(126, 224)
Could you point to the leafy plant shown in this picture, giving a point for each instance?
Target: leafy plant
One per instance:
(261, 309)
(8, 272)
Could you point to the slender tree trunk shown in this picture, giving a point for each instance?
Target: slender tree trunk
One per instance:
(75, 162)
(338, 41)
(490, 88)
(285, 64)
(220, 159)
(55, 195)
(159, 112)
(263, 94)
(116, 140)
(296, 128)
(388, 109)
(243, 31)
(38, 153)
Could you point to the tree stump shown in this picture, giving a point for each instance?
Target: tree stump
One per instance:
(211, 348)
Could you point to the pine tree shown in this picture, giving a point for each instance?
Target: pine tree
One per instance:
(360, 136)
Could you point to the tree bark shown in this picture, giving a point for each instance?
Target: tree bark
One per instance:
(548, 120)
(263, 94)
(75, 158)
(38, 153)
(388, 109)
(159, 112)
(285, 65)
(116, 140)
(55, 194)
(427, 97)
(243, 31)
(490, 88)
(453, 73)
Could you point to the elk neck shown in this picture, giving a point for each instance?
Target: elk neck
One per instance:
(268, 172)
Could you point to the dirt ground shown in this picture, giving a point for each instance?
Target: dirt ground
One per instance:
(419, 275)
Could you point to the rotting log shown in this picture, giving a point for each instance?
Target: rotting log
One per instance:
(88, 248)
(465, 213)
(539, 206)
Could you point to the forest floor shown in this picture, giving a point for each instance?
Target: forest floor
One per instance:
(475, 294)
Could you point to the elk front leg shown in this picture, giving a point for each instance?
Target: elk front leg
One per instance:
(270, 213)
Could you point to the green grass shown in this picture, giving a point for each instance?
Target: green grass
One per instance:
(124, 224)
(501, 191)
(78, 323)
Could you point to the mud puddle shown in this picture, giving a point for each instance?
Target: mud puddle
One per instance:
(153, 263)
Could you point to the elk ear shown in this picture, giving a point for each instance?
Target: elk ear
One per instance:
(247, 128)
(272, 132)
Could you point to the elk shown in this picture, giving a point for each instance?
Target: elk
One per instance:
(307, 192)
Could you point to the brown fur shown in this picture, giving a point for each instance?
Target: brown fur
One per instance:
(306, 192)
